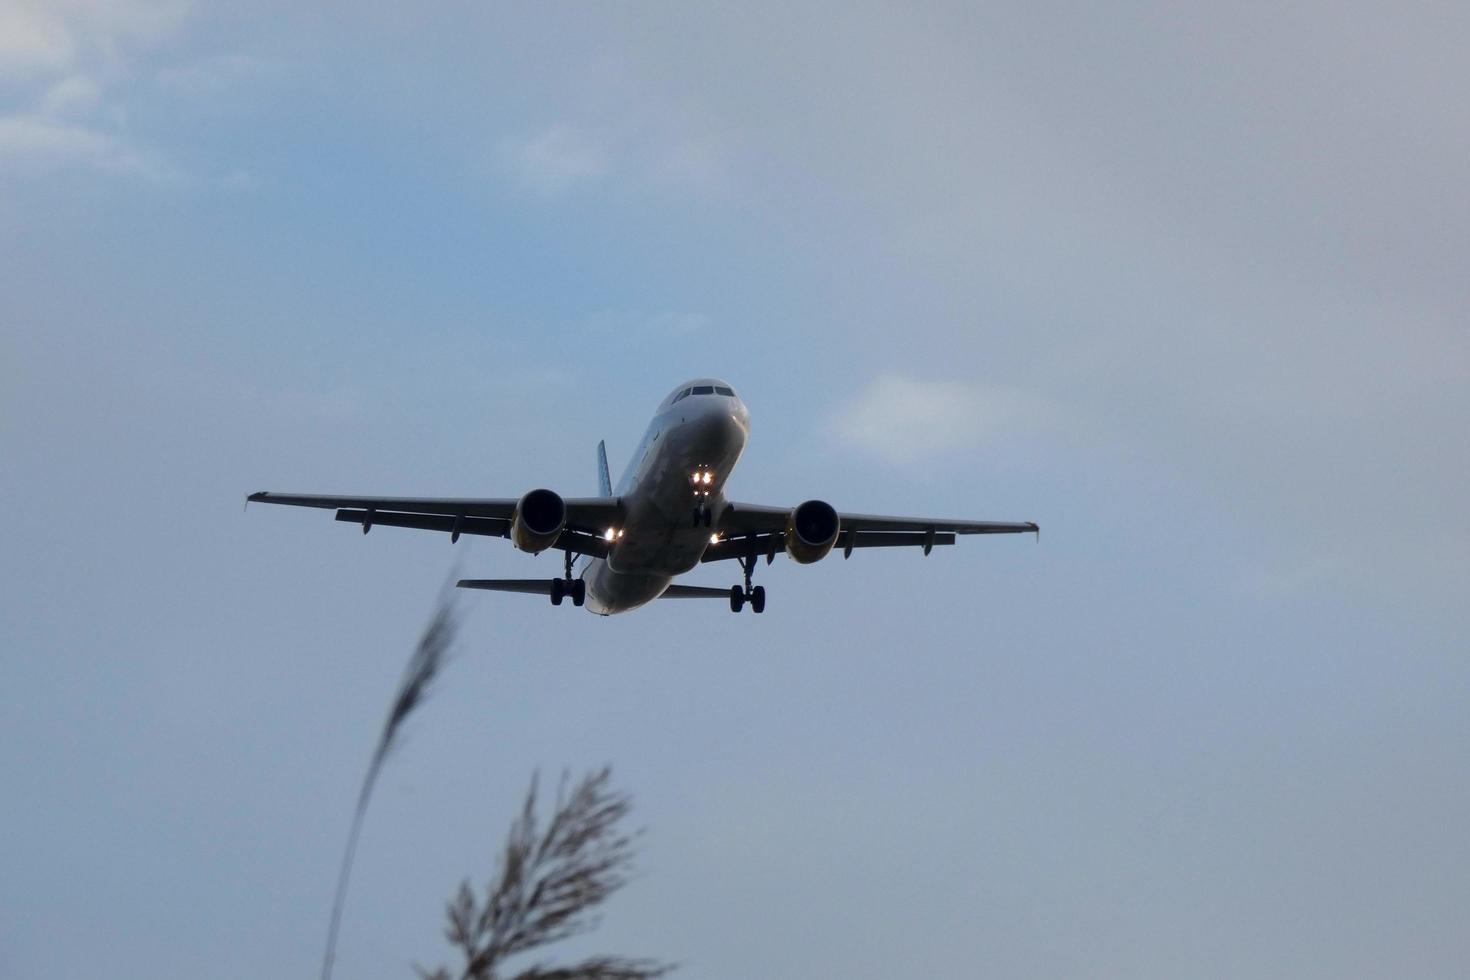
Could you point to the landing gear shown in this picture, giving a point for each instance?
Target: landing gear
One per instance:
(566, 586)
(703, 515)
(739, 595)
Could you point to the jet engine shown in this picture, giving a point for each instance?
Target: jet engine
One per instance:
(811, 531)
(539, 518)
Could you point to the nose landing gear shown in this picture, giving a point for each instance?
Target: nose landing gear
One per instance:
(755, 596)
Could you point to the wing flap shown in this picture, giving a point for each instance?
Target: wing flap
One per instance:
(891, 539)
(577, 542)
(878, 522)
(487, 526)
(772, 544)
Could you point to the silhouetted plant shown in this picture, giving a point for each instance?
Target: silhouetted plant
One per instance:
(423, 667)
(548, 887)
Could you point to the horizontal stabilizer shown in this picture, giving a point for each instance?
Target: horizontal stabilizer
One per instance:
(694, 592)
(531, 586)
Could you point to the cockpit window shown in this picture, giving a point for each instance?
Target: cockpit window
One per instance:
(722, 390)
(704, 389)
(681, 395)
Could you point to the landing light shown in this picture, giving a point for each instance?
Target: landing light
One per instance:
(609, 534)
(714, 539)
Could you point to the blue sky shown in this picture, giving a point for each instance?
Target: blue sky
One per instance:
(1188, 288)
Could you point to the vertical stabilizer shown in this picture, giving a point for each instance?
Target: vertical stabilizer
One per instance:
(604, 481)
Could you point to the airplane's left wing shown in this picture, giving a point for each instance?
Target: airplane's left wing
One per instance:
(587, 517)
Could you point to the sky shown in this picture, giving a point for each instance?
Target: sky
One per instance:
(1190, 287)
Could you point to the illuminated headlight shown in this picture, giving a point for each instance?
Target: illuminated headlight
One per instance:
(609, 534)
(714, 539)
(708, 477)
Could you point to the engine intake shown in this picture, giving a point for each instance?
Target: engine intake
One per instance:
(538, 522)
(811, 531)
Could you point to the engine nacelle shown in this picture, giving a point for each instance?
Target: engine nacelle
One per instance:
(538, 522)
(811, 531)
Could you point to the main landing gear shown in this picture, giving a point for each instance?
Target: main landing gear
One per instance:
(755, 596)
(568, 586)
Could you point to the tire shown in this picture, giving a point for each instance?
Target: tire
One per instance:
(558, 591)
(579, 592)
(758, 599)
(737, 598)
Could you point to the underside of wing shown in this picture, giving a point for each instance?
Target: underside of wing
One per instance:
(740, 518)
(769, 545)
(586, 517)
(501, 507)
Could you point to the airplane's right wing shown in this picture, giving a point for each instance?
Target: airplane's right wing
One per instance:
(758, 529)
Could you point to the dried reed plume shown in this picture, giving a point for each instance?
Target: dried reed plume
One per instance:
(427, 660)
(548, 887)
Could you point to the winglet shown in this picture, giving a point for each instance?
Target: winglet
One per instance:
(1037, 529)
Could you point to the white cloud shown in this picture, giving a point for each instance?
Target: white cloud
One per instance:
(902, 420)
(33, 39)
(37, 137)
(73, 95)
(554, 160)
(52, 37)
(35, 141)
(70, 53)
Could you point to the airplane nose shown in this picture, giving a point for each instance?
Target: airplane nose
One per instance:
(720, 428)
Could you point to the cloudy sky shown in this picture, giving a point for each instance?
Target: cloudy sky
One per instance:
(1189, 288)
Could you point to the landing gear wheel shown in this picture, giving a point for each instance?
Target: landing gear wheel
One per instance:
(737, 598)
(758, 599)
(558, 591)
(579, 591)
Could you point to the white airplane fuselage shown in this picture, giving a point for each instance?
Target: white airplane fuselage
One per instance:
(659, 538)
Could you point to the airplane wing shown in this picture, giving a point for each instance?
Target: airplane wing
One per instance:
(757, 529)
(490, 516)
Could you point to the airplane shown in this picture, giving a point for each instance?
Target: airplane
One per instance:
(667, 515)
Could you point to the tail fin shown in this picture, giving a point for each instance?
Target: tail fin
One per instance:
(604, 481)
